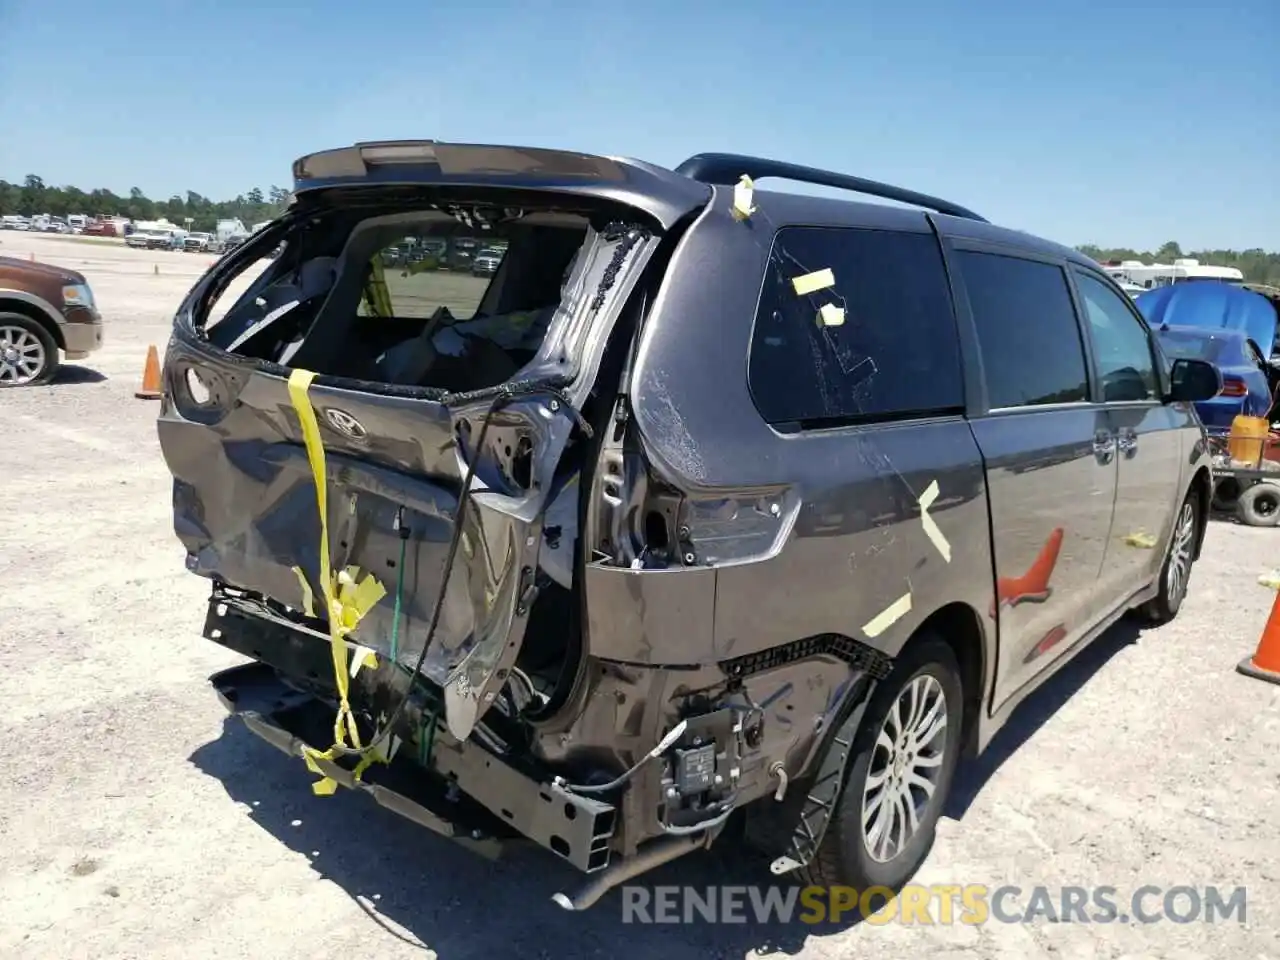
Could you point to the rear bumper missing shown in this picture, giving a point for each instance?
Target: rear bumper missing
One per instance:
(466, 793)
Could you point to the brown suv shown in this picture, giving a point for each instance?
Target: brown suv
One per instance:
(43, 309)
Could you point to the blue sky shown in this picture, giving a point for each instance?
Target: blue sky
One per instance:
(1083, 121)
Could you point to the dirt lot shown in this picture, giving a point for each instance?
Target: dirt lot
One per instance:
(137, 822)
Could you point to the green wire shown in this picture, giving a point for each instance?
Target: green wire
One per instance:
(427, 732)
(395, 621)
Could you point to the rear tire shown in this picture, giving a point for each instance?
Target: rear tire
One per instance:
(904, 758)
(1175, 572)
(28, 353)
(1259, 505)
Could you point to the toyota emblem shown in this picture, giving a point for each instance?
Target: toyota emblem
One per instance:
(345, 423)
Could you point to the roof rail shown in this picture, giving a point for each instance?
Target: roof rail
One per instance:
(724, 169)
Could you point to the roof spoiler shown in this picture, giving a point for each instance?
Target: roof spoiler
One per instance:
(724, 169)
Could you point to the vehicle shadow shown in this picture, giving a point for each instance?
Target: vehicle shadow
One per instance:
(1030, 715)
(71, 375)
(425, 890)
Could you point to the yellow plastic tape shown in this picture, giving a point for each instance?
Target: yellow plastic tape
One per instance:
(381, 304)
(363, 657)
(347, 598)
(743, 192)
(888, 617)
(813, 282)
(931, 529)
(1271, 580)
(1142, 540)
(829, 315)
(308, 598)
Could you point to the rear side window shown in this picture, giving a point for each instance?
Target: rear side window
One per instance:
(895, 354)
(1027, 330)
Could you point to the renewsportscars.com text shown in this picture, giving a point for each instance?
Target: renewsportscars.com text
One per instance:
(937, 904)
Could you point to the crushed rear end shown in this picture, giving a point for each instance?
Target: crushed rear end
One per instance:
(514, 591)
(419, 376)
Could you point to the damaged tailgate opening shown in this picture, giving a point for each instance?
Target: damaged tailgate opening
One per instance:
(430, 318)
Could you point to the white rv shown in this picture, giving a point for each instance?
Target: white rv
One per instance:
(1151, 275)
(226, 229)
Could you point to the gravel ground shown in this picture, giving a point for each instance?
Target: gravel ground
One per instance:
(138, 822)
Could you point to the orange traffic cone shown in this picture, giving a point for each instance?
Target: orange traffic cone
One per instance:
(1265, 663)
(150, 376)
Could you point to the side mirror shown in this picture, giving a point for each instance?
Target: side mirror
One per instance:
(1194, 380)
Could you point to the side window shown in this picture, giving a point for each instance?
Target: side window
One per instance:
(893, 351)
(1121, 343)
(1027, 330)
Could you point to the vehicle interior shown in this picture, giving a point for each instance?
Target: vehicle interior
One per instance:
(381, 298)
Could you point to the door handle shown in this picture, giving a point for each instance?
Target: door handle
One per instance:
(1104, 446)
(1127, 441)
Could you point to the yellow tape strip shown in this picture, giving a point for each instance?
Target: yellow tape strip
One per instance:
(813, 282)
(1271, 580)
(363, 657)
(889, 616)
(308, 598)
(347, 599)
(1141, 540)
(931, 528)
(378, 282)
(829, 315)
(743, 192)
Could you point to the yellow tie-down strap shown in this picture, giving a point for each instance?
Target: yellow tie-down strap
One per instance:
(347, 599)
(381, 305)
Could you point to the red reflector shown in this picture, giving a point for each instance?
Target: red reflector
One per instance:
(1234, 388)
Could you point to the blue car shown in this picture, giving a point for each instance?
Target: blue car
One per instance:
(1231, 327)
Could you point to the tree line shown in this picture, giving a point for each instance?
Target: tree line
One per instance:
(33, 196)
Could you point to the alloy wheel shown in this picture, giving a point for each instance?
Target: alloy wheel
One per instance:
(22, 355)
(1180, 555)
(905, 766)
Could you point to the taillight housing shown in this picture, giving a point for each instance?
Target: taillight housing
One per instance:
(1234, 388)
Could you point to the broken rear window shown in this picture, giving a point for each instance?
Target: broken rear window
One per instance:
(895, 354)
(440, 298)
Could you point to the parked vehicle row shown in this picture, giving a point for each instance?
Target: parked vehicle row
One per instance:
(757, 498)
(147, 235)
(475, 255)
(43, 224)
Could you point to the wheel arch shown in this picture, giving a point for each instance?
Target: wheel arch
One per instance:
(1202, 487)
(34, 308)
(960, 626)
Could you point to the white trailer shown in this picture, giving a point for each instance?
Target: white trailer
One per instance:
(1183, 270)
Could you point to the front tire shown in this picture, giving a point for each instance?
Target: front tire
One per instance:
(28, 354)
(904, 758)
(1175, 572)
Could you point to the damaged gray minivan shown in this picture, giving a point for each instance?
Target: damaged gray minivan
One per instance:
(706, 513)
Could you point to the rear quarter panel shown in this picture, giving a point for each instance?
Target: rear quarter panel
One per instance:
(859, 543)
